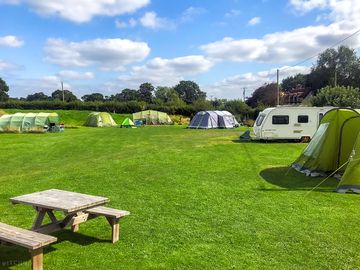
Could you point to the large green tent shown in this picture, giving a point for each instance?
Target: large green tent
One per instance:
(127, 123)
(99, 119)
(151, 117)
(29, 122)
(333, 145)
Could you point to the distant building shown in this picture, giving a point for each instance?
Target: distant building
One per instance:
(295, 95)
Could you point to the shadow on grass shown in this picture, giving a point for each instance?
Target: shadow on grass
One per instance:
(265, 142)
(289, 179)
(11, 255)
(78, 238)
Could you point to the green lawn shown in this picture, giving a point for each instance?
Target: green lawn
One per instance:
(198, 200)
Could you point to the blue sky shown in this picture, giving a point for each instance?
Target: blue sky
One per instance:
(108, 45)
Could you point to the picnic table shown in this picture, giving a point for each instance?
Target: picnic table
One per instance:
(77, 209)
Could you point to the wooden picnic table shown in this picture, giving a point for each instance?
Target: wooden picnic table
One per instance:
(72, 204)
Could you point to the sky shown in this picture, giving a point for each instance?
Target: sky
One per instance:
(108, 45)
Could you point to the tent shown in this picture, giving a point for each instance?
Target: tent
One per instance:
(127, 123)
(213, 119)
(335, 147)
(29, 122)
(151, 117)
(99, 119)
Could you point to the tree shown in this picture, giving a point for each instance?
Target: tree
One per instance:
(37, 96)
(266, 94)
(189, 91)
(145, 92)
(335, 67)
(68, 95)
(93, 97)
(167, 94)
(126, 95)
(292, 82)
(339, 96)
(4, 89)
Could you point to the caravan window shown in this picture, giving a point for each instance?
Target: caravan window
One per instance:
(280, 119)
(303, 119)
(260, 119)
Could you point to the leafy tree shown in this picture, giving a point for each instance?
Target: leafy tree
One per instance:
(127, 95)
(167, 94)
(4, 89)
(189, 91)
(266, 94)
(68, 95)
(335, 67)
(238, 107)
(37, 96)
(293, 81)
(339, 96)
(145, 92)
(93, 97)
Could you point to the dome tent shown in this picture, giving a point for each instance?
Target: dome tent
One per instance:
(151, 117)
(335, 147)
(213, 119)
(29, 122)
(99, 119)
(127, 123)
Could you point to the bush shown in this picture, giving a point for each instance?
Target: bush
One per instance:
(339, 96)
(180, 120)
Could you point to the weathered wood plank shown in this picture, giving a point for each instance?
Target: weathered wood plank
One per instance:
(24, 238)
(37, 258)
(60, 200)
(107, 212)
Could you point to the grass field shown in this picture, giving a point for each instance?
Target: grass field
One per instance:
(198, 200)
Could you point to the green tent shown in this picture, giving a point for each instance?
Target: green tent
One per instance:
(127, 123)
(151, 117)
(99, 119)
(29, 122)
(334, 143)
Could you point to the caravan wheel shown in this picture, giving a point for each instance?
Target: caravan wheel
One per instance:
(305, 139)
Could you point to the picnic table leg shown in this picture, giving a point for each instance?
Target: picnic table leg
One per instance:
(37, 259)
(114, 223)
(39, 218)
(75, 228)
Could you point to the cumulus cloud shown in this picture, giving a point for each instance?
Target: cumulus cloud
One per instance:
(160, 71)
(82, 10)
(11, 41)
(254, 21)
(151, 20)
(123, 24)
(70, 74)
(297, 44)
(232, 87)
(232, 13)
(191, 13)
(111, 54)
(5, 65)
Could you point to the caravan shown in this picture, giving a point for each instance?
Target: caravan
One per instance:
(289, 123)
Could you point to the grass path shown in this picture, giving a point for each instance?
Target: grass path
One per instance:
(199, 200)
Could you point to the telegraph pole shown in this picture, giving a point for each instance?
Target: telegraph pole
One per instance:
(62, 89)
(244, 89)
(277, 88)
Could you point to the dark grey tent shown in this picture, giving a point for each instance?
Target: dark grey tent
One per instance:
(213, 119)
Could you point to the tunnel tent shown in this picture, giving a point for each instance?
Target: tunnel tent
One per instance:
(335, 147)
(29, 122)
(213, 119)
(151, 117)
(99, 119)
(127, 123)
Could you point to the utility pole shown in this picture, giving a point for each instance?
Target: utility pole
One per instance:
(244, 89)
(335, 77)
(62, 89)
(277, 88)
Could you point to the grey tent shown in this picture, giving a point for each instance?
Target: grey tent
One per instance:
(213, 119)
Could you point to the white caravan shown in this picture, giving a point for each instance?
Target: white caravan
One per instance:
(288, 123)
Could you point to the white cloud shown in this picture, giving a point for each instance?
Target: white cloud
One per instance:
(130, 23)
(232, 13)
(160, 71)
(106, 53)
(151, 20)
(191, 13)
(307, 5)
(70, 74)
(82, 10)
(232, 87)
(254, 21)
(11, 41)
(5, 65)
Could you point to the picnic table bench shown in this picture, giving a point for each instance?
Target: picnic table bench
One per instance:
(33, 241)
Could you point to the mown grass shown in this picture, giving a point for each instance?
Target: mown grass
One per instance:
(198, 200)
